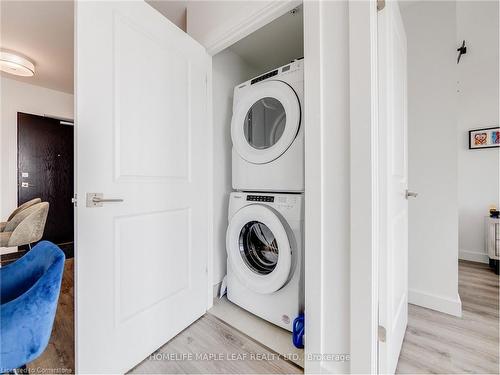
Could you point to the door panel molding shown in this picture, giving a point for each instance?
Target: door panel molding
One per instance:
(174, 147)
(141, 231)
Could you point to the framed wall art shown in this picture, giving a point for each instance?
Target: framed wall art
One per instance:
(484, 138)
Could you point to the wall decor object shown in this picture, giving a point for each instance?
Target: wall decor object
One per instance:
(484, 138)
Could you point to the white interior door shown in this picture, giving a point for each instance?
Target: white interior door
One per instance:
(142, 129)
(393, 265)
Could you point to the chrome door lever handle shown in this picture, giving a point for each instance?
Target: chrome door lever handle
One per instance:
(96, 200)
(100, 200)
(410, 194)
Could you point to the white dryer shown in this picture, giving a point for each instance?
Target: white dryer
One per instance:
(267, 131)
(265, 255)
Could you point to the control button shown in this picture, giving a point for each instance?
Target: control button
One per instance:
(260, 198)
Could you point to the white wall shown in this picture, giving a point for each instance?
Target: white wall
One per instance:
(478, 101)
(21, 97)
(228, 71)
(432, 146)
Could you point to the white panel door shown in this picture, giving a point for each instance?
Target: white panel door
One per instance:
(142, 136)
(393, 267)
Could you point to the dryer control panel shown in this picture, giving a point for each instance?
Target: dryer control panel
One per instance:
(294, 66)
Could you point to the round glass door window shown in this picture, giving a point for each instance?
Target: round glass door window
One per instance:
(264, 123)
(258, 248)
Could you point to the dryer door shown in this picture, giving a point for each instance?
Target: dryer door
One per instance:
(258, 248)
(265, 121)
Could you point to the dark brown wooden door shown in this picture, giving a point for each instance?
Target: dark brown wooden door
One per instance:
(45, 170)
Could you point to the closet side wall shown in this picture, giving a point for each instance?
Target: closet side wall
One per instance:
(228, 70)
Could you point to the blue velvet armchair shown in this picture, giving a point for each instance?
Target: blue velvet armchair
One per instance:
(29, 291)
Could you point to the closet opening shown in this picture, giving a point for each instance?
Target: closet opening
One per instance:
(258, 185)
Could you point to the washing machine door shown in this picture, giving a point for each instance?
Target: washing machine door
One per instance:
(265, 121)
(259, 250)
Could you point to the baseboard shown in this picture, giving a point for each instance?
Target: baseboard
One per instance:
(431, 301)
(473, 256)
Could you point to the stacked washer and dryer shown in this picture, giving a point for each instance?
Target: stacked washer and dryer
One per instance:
(264, 239)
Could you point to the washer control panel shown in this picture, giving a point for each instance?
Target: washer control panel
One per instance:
(288, 204)
(260, 198)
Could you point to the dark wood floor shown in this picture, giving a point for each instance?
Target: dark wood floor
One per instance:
(59, 357)
(434, 342)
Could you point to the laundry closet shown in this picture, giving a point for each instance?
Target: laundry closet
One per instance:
(157, 143)
(258, 158)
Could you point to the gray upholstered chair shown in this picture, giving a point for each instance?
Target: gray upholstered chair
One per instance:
(24, 206)
(26, 227)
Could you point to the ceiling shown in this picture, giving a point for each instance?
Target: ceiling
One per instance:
(42, 31)
(275, 44)
(175, 11)
(403, 4)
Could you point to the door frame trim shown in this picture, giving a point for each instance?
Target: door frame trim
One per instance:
(327, 186)
(364, 186)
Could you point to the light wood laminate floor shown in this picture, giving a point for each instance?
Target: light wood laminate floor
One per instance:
(439, 343)
(210, 346)
(434, 342)
(273, 337)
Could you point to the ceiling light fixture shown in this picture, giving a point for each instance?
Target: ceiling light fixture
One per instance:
(15, 64)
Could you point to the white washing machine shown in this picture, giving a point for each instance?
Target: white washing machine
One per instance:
(264, 243)
(267, 130)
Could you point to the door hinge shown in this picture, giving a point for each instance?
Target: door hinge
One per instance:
(381, 333)
(380, 5)
(410, 194)
(74, 200)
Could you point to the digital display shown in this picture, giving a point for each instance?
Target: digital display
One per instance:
(260, 198)
(265, 76)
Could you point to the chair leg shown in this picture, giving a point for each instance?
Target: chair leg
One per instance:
(29, 246)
